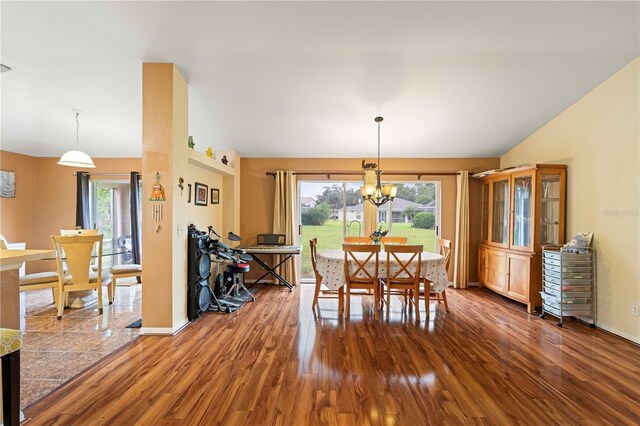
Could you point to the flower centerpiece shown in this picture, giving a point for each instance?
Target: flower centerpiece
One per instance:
(376, 236)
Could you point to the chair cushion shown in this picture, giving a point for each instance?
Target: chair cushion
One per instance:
(10, 341)
(39, 278)
(125, 269)
(93, 278)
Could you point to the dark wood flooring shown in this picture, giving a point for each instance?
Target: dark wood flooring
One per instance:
(277, 362)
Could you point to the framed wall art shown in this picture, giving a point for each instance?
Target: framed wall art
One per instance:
(215, 196)
(201, 194)
(8, 182)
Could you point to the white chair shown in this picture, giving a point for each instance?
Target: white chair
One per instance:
(122, 271)
(76, 251)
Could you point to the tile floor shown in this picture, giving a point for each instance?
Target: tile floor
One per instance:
(56, 350)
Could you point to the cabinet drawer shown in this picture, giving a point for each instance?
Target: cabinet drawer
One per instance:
(566, 312)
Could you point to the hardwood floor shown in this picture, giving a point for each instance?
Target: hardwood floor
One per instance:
(276, 362)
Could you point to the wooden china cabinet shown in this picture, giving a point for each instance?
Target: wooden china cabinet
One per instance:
(523, 209)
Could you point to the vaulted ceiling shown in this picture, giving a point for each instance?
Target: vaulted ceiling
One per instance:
(306, 79)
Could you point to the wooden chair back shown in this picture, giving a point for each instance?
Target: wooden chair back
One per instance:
(393, 240)
(445, 251)
(357, 240)
(3, 243)
(76, 251)
(314, 258)
(407, 273)
(78, 231)
(361, 275)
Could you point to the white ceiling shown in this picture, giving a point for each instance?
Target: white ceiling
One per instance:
(306, 79)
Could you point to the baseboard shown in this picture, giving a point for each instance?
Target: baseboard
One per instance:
(164, 331)
(619, 333)
(473, 284)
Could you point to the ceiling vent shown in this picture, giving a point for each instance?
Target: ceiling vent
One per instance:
(4, 68)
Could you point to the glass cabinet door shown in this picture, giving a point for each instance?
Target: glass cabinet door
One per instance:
(485, 212)
(500, 212)
(550, 209)
(522, 192)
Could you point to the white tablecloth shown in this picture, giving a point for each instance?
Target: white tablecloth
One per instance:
(331, 267)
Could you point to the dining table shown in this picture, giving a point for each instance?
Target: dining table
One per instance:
(330, 264)
(79, 299)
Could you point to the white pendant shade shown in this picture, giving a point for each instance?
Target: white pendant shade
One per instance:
(76, 159)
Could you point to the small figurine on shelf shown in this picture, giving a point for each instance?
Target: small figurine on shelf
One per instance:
(191, 144)
(376, 236)
(224, 160)
(209, 152)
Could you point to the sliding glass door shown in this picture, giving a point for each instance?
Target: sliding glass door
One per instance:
(329, 211)
(414, 214)
(111, 215)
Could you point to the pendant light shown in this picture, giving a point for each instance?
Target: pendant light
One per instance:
(376, 193)
(77, 158)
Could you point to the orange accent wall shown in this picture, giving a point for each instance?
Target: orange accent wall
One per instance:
(257, 190)
(46, 199)
(17, 215)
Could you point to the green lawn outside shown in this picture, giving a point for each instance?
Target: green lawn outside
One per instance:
(330, 236)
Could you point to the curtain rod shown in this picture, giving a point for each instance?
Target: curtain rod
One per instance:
(351, 173)
(102, 174)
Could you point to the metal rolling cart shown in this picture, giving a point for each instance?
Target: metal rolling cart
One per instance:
(569, 284)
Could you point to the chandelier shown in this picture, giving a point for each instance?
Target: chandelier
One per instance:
(373, 190)
(76, 158)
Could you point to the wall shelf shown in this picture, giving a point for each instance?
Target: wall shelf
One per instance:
(214, 165)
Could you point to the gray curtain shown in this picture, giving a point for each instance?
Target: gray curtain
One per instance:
(134, 206)
(82, 200)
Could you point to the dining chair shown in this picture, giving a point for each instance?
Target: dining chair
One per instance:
(429, 291)
(36, 281)
(393, 240)
(403, 274)
(362, 278)
(319, 292)
(121, 271)
(357, 240)
(76, 251)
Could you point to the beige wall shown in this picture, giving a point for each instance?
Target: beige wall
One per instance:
(258, 189)
(203, 216)
(46, 199)
(599, 139)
